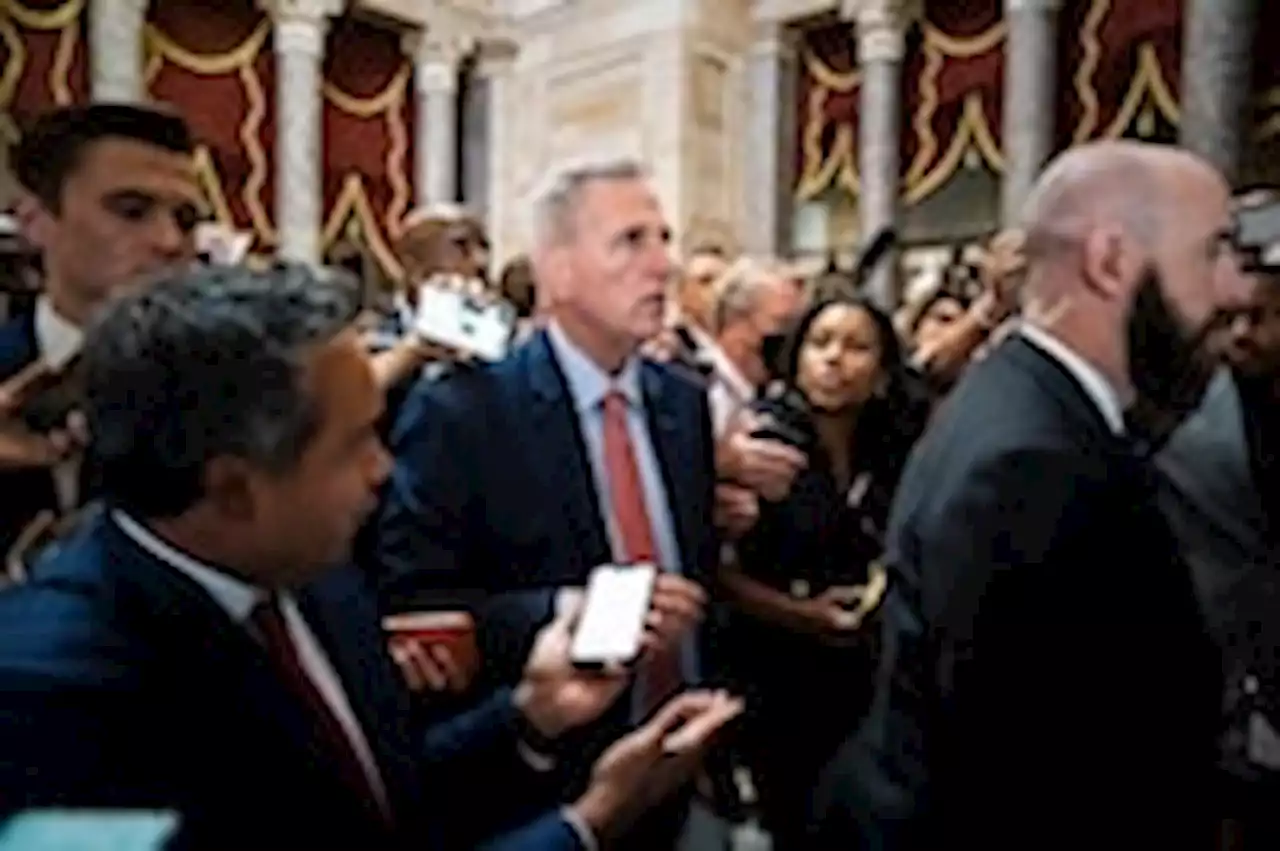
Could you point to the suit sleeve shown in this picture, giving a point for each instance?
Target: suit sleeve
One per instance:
(420, 531)
(551, 832)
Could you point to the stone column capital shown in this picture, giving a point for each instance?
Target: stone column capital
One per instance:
(774, 39)
(300, 25)
(881, 26)
(315, 11)
(1032, 5)
(436, 56)
(495, 56)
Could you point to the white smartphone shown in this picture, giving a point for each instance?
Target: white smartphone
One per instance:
(460, 321)
(614, 609)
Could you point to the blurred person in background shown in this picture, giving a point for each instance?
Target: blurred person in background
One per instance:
(952, 326)
(108, 196)
(439, 245)
(795, 648)
(753, 307)
(1220, 490)
(518, 286)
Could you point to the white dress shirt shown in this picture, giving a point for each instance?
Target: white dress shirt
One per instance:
(730, 391)
(238, 599)
(1096, 386)
(57, 342)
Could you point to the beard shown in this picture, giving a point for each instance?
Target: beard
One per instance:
(1170, 366)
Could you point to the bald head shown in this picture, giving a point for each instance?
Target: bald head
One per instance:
(1117, 184)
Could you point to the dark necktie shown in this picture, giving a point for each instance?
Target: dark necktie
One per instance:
(660, 674)
(269, 620)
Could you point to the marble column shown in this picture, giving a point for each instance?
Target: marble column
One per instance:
(300, 30)
(771, 69)
(1030, 83)
(116, 29)
(880, 29)
(1216, 79)
(495, 60)
(435, 71)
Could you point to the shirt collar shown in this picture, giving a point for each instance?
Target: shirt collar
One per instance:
(234, 595)
(57, 339)
(1095, 384)
(727, 372)
(588, 383)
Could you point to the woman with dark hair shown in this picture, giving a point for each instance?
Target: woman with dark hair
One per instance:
(795, 641)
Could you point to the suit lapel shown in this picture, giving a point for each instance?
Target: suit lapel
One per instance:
(342, 614)
(1054, 379)
(559, 452)
(672, 432)
(206, 640)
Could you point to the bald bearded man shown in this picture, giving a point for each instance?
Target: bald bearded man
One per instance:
(1046, 679)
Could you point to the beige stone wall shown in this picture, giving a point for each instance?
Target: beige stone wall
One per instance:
(661, 80)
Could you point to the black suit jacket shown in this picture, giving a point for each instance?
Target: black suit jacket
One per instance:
(23, 493)
(123, 684)
(1046, 677)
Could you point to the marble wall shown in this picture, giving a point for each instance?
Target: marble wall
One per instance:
(664, 81)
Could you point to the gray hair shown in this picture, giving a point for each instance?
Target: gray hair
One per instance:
(556, 202)
(738, 290)
(205, 363)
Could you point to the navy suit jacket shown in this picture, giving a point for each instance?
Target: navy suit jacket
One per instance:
(492, 489)
(124, 685)
(492, 502)
(23, 493)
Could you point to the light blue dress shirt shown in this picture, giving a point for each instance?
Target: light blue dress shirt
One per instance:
(588, 387)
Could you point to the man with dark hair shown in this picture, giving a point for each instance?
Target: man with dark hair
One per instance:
(190, 648)
(108, 196)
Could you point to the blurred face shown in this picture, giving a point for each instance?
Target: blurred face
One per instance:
(697, 288)
(1191, 280)
(778, 304)
(309, 515)
(938, 317)
(839, 366)
(612, 270)
(129, 209)
(1250, 339)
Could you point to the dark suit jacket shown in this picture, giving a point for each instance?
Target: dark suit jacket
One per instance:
(1210, 496)
(492, 489)
(123, 684)
(1046, 679)
(492, 502)
(23, 493)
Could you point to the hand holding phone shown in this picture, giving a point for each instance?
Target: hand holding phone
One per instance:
(455, 317)
(615, 608)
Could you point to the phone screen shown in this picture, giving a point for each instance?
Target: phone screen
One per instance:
(611, 627)
(452, 318)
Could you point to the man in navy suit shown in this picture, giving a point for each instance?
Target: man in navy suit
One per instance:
(109, 195)
(571, 453)
(189, 649)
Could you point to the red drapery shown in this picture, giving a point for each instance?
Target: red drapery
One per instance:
(1118, 75)
(213, 60)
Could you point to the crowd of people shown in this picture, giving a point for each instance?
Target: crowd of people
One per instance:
(992, 570)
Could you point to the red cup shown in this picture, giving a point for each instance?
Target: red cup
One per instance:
(452, 631)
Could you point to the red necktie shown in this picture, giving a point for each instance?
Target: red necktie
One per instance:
(268, 619)
(660, 674)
